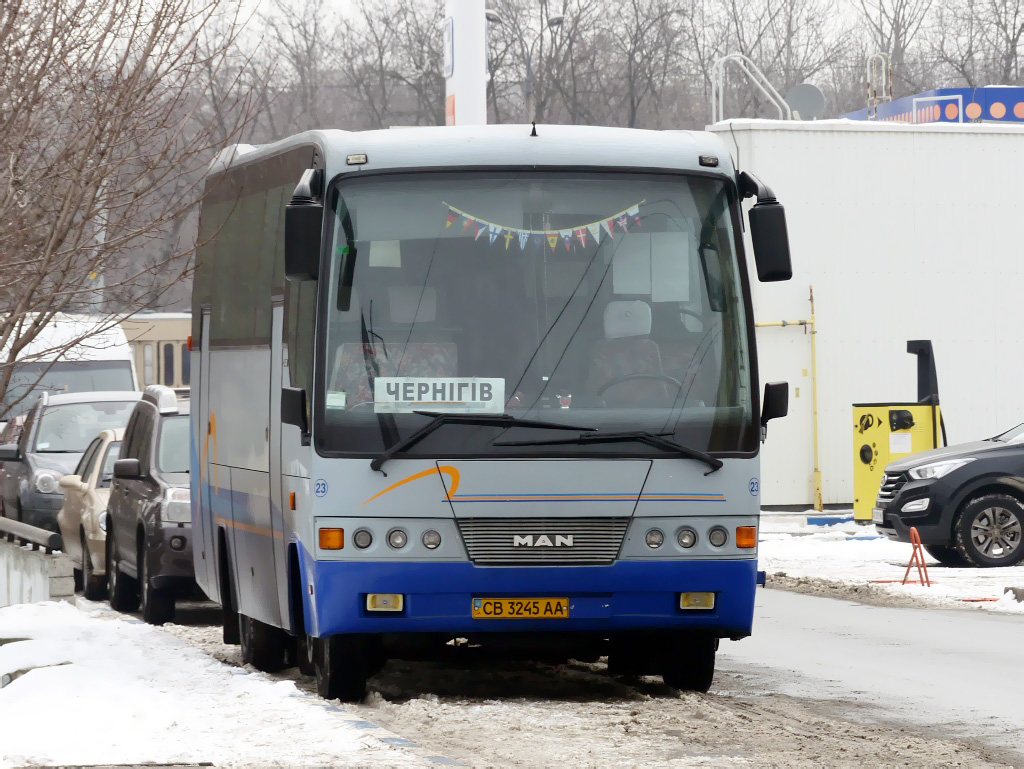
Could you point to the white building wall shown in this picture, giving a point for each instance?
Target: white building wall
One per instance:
(905, 232)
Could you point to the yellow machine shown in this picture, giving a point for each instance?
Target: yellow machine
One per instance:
(884, 432)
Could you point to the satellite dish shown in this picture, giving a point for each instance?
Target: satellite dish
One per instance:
(806, 100)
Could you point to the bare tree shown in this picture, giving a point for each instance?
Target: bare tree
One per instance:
(103, 140)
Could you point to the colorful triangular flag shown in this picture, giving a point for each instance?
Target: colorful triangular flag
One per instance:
(609, 227)
(524, 238)
(480, 230)
(508, 238)
(581, 236)
(622, 222)
(595, 231)
(552, 240)
(493, 232)
(451, 219)
(465, 224)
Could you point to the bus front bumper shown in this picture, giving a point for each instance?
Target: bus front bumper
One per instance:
(438, 597)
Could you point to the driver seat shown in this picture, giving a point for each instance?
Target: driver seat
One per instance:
(627, 350)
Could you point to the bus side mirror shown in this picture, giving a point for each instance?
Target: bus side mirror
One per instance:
(768, 232)
(303, 226)
(775, 403)
(771, 242)
(293, 408)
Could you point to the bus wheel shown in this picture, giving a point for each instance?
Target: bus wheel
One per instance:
(262, 644)
(342, 668)
(693, 665)
(305, 655)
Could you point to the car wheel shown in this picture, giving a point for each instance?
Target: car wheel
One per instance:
(157, 605)
(692, 668)
(262, 644)
(342, 667)
(989, 531)
(92, 586)
(121, 592)
(947, 556)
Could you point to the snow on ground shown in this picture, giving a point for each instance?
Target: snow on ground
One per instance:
(84, 688)
(846, 558)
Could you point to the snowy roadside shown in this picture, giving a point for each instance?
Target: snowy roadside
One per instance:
(842, 560)
(82, 688)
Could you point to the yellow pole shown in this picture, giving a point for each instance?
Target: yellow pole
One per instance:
(808, 324)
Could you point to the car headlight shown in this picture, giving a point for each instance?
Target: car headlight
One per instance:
(177, 507)
(938, 469)
(46, 484)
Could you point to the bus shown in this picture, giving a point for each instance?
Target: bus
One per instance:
(73, 352)
(484, 386)
(159, 344)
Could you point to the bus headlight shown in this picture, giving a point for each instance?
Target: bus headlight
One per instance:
(655, 538)
(362, 539)
(46, 484)
(718, 536)
(431, 539)
(397, 539)
(686, 538)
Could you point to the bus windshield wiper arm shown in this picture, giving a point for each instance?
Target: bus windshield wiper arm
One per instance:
(651, 439)
(482, 420)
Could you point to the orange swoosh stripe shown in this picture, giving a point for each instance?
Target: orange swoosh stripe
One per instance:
(448, 470)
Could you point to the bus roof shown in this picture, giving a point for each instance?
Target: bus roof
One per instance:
(565, 146)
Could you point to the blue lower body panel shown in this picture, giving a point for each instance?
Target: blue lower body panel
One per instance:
(628, 595)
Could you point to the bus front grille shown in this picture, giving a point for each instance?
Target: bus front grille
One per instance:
(542, 541)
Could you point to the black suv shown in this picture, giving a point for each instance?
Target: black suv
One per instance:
(966, 501)
(149, 520)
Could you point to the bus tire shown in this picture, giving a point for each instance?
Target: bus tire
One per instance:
(342, 668)
(262, 644)
(305, 655)
(692, 667)
(229, 611)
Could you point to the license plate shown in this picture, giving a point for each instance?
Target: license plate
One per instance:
(520, 608)
(877, 515)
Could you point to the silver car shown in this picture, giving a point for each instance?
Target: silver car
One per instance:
(57, 432)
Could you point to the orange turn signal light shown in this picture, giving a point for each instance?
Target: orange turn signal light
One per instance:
(332, 539)
(746, 536)
(189, 343)
(291, 500)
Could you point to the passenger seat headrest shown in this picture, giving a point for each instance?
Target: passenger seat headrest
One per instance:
(412, 304)
(625, 319)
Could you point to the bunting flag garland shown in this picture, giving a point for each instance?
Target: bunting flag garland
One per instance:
(583, 234)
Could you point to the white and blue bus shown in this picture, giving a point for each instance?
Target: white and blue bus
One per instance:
(490, 383)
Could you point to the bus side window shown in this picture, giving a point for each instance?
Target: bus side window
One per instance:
(168, 367)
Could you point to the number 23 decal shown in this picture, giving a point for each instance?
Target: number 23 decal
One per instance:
(320, 487)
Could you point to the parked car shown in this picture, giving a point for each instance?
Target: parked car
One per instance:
(57, 431)
(149, 521)
(966, 501)
(9, 434)
(82, 518)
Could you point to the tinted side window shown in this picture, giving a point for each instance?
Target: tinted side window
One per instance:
(144, 450)
(26, 435)
(130, 433)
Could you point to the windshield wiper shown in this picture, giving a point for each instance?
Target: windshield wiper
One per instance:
(481, 420)
(651, 439)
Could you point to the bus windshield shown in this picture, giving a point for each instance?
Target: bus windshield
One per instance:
(64, 377)
(612, 300)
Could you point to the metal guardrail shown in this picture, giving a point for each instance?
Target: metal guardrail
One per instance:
(23, 534)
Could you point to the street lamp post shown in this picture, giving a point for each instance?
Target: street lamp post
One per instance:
(553, 23)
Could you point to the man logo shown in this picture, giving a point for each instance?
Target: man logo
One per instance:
(543, 540)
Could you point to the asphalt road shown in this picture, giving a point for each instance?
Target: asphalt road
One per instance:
(958, 674)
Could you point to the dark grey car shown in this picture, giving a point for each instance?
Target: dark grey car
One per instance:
(56, 433)
(149, 515)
